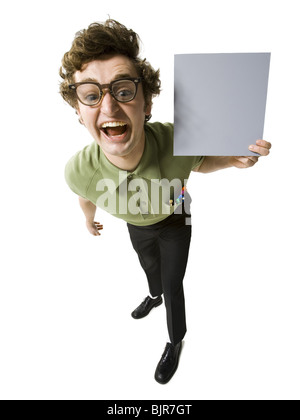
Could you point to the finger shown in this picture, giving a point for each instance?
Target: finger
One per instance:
(262, 151)
(94, 232)
(245, 161)
(254, 159)
(264, 143)
(261, 147)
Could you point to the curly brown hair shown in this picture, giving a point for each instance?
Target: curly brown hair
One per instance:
(97, 40)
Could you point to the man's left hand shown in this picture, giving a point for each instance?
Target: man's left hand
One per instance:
(262, 147)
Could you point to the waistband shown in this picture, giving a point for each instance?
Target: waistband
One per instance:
(174, 217)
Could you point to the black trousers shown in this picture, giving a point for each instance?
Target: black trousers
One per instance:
(163, 250)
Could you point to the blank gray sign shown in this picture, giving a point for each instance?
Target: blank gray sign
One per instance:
(219, 103)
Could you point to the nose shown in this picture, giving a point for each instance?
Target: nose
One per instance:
(108, 104)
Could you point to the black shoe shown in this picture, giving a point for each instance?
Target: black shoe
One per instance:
(168, 363)
(146, 306)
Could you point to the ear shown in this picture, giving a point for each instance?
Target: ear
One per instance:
(80, 119)
(148, 109)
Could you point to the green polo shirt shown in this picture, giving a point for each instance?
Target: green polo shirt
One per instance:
(141, 197)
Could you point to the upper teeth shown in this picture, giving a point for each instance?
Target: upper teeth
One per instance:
(113, 124)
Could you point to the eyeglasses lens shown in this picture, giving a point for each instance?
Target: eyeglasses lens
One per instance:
(88, 93)
(124, 90)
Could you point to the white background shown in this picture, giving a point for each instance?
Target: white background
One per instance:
(66, 296)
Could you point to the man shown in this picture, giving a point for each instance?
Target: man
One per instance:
(130, 171)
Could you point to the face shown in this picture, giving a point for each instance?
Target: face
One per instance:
(126, 140)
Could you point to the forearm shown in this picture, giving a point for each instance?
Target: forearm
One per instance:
(88, 208)
(214, 163)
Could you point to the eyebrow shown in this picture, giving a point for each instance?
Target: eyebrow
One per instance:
(122, 76)
(88, 79)
(117, 76)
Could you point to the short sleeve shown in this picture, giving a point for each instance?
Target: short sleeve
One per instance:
(73, 178)
(198, 160)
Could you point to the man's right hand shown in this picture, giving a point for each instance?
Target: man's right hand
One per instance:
(89, 210)
(94, 227)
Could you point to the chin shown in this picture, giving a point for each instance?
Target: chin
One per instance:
(117, 149)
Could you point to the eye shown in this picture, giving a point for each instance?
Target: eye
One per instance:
(124, 90)
(92, 97)
(124, 93)
(88, 94)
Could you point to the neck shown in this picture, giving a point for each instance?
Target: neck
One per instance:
(128, 162)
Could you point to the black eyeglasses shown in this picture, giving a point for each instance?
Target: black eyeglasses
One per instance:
(91, 93)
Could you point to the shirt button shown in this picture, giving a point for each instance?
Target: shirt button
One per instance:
(130, 176)
(138, 188)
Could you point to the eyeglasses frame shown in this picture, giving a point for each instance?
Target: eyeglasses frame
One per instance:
(135, 80)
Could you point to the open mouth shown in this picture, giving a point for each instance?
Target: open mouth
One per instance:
(115, 130)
